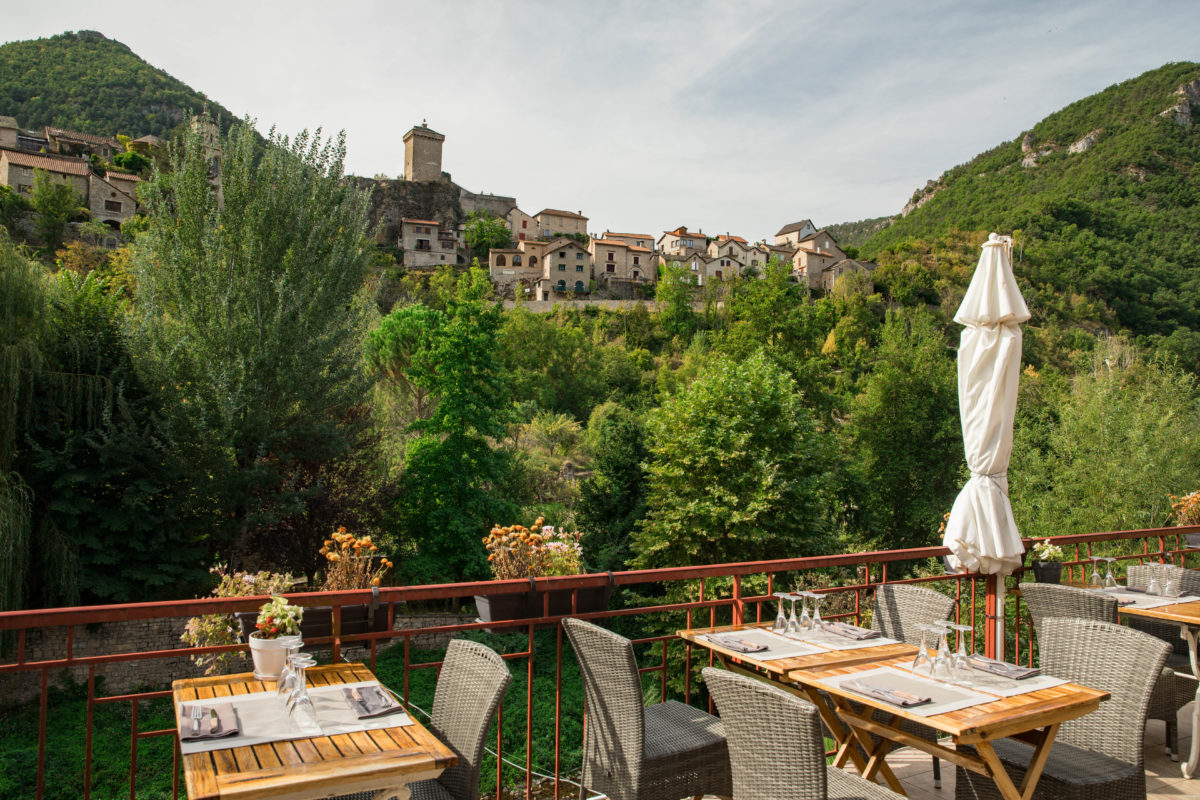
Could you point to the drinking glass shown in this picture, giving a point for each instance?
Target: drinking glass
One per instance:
(1154, 587)
(942, 662)
(923, 663)
(962, 659)
(1110, 580)
(1170, 588)
(285, 682)
(793, 625)
(780, 618)
(806, 622)
(299, 703)
(816, 598)
(1095, 581)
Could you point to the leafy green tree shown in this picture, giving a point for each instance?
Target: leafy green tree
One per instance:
(484, 232)
(903, 438)
(613, 499)
(551, 430)
(452, 490)
(675, 294)
(737, 471)
(252, 313)
(131, 161)
(12, 208)
(54, 204)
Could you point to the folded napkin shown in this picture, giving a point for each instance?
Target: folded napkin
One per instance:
(223, 724)
(894, 696)
(731, 641)
(850, 631)
(1003, 668)
(1141, 589)
(368, 702)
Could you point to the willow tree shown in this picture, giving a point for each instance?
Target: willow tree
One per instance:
(253, 310)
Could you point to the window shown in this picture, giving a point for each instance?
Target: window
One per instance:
(718, 274)
(24, 188)
(112, 205)
(447, 244)
(578, 256)
(562, 286)
(562, 267)
(636, 275)
(524, 223)
(520, 237)
(637, 259)
(533, 261)
(610, 255)
(579, 287)
(500, 262)
(562, 253)
(423, 244)
(730, 252)
(516, 261)
(611, 267)
(579, 267)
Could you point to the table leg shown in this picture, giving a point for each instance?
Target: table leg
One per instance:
(875, 763)
(1189, 766)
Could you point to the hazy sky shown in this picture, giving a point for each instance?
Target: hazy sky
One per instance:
(725, 116)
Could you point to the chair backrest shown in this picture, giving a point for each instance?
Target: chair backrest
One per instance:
(1115, 659)
(775, 745)
(612, 691)
(900, 608)
(1047, 600)
(469, 688)
(1188, 580)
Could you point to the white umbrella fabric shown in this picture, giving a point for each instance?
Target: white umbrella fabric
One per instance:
(981, 532)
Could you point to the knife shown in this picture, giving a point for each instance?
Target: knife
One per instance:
(214, 722)
(358, 698)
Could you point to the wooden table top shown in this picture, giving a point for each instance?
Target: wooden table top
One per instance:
(779, 668)
(1005, 716)
(1182, 613)
(308, 768)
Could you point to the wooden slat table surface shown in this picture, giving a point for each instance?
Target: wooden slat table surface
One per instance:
(779, 668)
(316, 767)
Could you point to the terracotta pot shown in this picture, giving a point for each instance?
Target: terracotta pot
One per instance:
(268, 656)
(1047, 571)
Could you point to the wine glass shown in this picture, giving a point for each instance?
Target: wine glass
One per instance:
(1110, 580)
(817, 599)
(793, 625)
(780, 624)
(285, 683)
(962, 660)
(1095, 581)
(1170, 587)
(942, 662)
(299, 703)
(806, 622)
(923, 663)
(1153, 587)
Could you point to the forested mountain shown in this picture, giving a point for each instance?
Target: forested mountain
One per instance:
(86, 82)
(855, 234)
(1102, 200)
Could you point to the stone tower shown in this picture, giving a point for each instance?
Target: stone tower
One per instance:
(210, 137)
(423, 154)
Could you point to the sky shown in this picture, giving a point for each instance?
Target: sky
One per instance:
(728, 117)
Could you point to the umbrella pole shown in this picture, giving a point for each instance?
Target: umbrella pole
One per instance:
(993, 613)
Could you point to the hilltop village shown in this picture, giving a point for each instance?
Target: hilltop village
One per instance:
(423, 216)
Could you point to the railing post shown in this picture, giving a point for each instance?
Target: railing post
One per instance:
(738, 612)
(993, 615)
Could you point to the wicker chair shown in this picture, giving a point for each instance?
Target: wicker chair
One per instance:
(633, 752)
(1177, 686)
(1047, 600)
(469, 688)
(1097, 756)
(776, 749)
(899, 609)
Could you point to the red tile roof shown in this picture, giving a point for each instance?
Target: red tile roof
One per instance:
(420, 221)
(611, 243)
(65, 166)
(78, 136)
(628, 235)
(637, 249)
(725, 238)
(554, 212)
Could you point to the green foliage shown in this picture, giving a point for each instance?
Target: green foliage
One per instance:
(12, 208)
(903, 439)
(674, 294)
(738, 471)
(86, 82)
(613, 499)
(852, 235)
(54, 203)
(551, 430)
(484, 232)
(131, 161)
(252, 312)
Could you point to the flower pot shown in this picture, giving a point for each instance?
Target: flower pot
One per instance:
(1047, 571)
(318, 620)
(268, 656)
(533, 604)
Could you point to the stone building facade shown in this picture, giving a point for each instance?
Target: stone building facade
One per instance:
(553, 222)
(792, 234)
(17, 171)
(108, 202)
(423, 154)
(426, 243)
(682, 243)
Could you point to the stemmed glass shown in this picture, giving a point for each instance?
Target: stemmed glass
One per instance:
(923, 662)
(1110, 580)
(286, 680)
(806, 622)
(817, 599)
(1095, 581)
(1153, 587)
(298, 701)
(1170, 588)
(962, 660)
(793, 625)
(942, 663)
(780, 624)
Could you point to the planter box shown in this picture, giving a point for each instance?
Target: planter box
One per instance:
(532, 605)
(318, 621)
(1047, 571)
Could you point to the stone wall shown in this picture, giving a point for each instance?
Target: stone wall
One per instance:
(142, 636)
(392, 201)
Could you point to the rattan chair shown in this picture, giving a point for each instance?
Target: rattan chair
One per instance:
(469, 688)
(1047, 600)
(633, 752)
(1097, 756)
(776, 749)
(1177, 686)
(899, 609)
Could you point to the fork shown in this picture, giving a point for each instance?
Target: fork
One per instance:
(197, 715)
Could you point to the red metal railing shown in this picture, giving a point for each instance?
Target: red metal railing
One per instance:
(979, 598)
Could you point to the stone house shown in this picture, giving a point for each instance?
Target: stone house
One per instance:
(109, 202)
(682, 242)
(8, 132)
(616, 261)
(17, 168)
(552, 222)
(643, 240)
(722, 267)
(567, 266)
(814, 253)
(522, 225)
(732, 246)
(642, 268)
(792, 234)
(426, 243)
(77, 143)
(147, 144)
(519, 268)
(124, 181)
(829, 275)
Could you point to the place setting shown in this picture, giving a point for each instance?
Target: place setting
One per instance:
(1155, 594)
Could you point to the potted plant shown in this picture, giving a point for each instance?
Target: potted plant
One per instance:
(351, 562)
(1186, 511)
(1047, 562)
(213, 630)
(515, 552)
(276, 619)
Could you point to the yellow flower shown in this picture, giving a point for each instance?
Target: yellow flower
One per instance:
(374, 581)
(333, 557)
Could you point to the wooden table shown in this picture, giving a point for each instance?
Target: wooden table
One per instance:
(386, 759)
(779, 673)
(1187, 617)
(1033, 717)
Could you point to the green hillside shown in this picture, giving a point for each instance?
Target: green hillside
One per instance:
(855, 234)
(86, 82)
(1116, 224)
